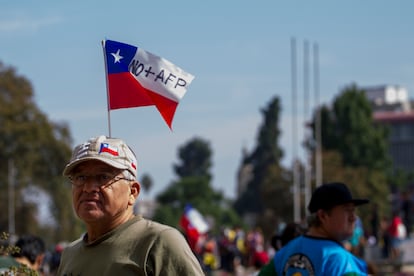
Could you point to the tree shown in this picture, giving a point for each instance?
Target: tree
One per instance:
(349, 128)
(195, 159)
(39, 150)
(354, 148)
(362, 181)
(265, 156)
(146, 182)
(194, 187)
(267, 199)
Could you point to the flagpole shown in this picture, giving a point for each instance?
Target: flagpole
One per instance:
(107, 90)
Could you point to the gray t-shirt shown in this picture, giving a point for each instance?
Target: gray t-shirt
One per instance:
(137, 247)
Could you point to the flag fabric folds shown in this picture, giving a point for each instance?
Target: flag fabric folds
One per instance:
(193, 224)
(137, 78)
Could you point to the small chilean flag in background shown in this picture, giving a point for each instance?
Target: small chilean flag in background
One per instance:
(193, 224)
(138, 78)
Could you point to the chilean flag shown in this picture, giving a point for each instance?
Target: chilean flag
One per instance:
(136, 78)
(105, 147)
(193, 224)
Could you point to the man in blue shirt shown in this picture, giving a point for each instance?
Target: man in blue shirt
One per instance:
(320, 251)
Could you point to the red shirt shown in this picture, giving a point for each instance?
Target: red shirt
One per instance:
(393, 229)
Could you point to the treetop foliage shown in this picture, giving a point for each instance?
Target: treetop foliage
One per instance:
(194, 187)
(195, 158)
(349, 127)
(265, 161)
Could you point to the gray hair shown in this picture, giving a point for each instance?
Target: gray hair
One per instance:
(313, 220)
(128, 175)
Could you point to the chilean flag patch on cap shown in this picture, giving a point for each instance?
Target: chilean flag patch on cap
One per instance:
(105, 147)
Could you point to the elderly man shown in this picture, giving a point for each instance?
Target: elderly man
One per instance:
(103, 174)
(320, 250)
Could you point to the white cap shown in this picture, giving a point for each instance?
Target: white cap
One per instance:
(112, 151)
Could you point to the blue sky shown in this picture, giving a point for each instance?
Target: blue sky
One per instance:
(238, 51)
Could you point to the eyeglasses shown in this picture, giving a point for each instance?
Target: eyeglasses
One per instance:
(100, 180)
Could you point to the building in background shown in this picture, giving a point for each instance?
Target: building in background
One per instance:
(388, 98)
(392, 108)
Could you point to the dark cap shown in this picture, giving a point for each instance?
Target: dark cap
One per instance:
(330, 195)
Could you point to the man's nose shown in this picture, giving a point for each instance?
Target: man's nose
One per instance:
(91, 183)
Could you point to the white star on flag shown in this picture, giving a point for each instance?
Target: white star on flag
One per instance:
(117, 56)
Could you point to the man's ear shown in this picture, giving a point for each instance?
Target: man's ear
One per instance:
(322, 214)
(135, 189)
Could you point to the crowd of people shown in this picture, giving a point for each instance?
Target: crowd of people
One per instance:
(241, 253)
(103, 174)
(232, 252)
(333, 229)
